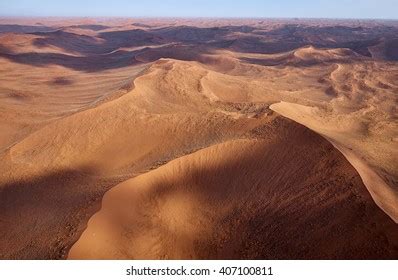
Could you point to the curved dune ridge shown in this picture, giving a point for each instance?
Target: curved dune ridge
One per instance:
(384, 196)
(274, 196)
(201, 139)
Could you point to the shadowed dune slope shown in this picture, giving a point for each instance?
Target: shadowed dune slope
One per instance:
(384, 195)
(284, 192)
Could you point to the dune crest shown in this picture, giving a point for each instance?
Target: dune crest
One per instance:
(385, 196)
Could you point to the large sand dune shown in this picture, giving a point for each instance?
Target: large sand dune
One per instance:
(184, 126)
(273, 196)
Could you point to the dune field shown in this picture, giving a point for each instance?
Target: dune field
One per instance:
(198, 139)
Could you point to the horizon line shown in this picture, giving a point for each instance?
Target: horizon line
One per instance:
(194, 17)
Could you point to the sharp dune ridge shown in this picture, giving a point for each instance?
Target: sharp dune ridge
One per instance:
(198, 139)
(385, 196)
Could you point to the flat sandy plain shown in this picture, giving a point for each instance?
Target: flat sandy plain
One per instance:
(198, 139)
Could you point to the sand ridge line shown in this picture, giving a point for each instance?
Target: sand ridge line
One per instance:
(384, 196)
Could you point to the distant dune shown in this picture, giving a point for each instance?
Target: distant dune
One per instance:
(198, 139)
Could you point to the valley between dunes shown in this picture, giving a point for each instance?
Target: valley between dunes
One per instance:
(198, 140)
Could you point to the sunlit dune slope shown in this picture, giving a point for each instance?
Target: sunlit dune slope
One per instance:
(167, 102)
(52, 180)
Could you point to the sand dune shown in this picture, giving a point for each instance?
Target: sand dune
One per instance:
(173, 119)
(234, 200)
(108, 143)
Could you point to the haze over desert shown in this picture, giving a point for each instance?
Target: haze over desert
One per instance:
(173, 138)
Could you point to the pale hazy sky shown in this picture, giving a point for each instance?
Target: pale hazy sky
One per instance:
(383, 9)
